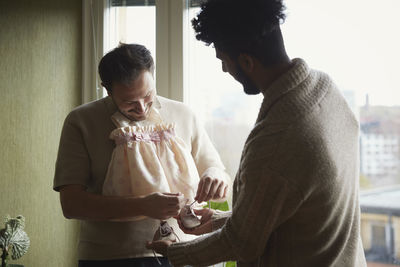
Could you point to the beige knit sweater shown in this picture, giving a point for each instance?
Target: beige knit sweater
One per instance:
(295, 196)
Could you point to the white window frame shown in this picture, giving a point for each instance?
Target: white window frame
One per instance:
(171, 30)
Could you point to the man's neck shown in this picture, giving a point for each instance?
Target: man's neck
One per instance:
(267, 75)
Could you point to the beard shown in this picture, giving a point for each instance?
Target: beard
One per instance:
(132, 115)
(248, 86)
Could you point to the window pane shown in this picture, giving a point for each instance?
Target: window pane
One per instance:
(134, 24)
(356, 43)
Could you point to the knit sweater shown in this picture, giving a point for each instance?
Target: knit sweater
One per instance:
(295, 195)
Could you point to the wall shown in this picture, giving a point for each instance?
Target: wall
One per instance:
(40, 81)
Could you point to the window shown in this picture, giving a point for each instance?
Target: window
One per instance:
(378, 233)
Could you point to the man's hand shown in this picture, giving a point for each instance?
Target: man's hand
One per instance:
(160, 246)
(211, 189)
(163, 205)
(204, 227)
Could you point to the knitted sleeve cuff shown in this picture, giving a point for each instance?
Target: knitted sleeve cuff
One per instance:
(179, 253)
(176, 254)
(219, 218)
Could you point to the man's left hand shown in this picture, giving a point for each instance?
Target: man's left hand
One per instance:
(160, 246)
(211, 188)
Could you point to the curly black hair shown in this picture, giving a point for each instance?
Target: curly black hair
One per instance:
(124, 64)
(240, 26)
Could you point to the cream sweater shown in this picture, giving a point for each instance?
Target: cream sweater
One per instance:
(295, 196)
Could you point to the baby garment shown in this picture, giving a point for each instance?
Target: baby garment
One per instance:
(149, 157)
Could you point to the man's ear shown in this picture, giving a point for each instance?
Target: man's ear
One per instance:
(246, 62)
(108, 91)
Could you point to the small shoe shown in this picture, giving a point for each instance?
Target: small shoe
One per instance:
(188, 218)
(164, 232)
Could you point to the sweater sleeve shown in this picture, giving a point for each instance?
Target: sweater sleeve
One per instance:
(219, 218)
(204, 154)
(73, 163)
(264, 201)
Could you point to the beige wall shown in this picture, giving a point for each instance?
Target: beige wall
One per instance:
(40, 80)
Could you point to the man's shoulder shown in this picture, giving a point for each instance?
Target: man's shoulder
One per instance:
(90, 110)
(174, 107)
(95, 105)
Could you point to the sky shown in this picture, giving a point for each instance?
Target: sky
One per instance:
(357, 42)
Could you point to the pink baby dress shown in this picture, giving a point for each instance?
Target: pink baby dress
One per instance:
(149, 157)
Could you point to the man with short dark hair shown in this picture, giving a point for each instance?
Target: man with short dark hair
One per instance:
(295, 195)
(111, 234)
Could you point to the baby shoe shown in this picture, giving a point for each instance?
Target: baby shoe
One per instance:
(165, 232)
(188, 218)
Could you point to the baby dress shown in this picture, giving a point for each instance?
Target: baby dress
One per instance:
(149, 157)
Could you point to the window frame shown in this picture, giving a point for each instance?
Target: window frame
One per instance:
(171, 32)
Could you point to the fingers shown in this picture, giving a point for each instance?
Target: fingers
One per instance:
(204, 227)
(160, 246)
(225, 191)
(203, 189)
(220, 191)
(213, 190)
(165, 205)
(199, 191)
(201, 229)
(173, 213)
(200, 212)
(175, 199)
(193, 231)
(149, 245)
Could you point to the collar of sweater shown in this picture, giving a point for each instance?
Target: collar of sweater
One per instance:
(293, 93)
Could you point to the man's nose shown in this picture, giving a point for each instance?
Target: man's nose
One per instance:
(140, 107)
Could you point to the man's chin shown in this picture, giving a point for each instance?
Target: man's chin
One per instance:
(139, 117)
(135, 117)
(251, 90)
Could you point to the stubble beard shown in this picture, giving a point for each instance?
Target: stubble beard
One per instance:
(248, 86)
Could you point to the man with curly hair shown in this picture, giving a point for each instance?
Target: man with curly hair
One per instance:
(295, 195)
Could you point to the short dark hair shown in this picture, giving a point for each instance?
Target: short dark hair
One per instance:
(238, 26)
(124, 64)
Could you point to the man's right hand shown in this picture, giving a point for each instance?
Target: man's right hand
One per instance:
(163, 205)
